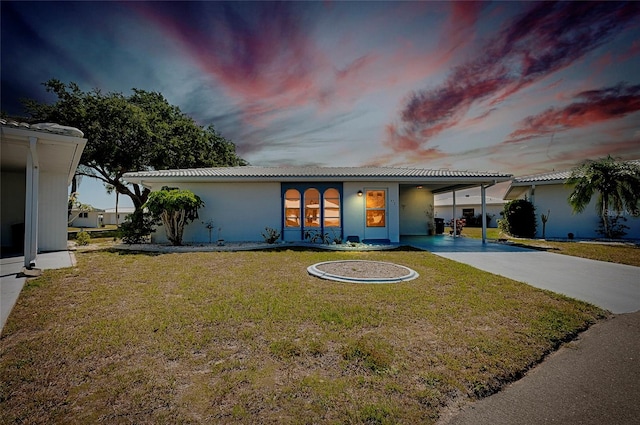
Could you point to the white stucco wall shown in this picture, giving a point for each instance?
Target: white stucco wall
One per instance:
(91, 221)
(241, 210)
(52, 209)
(354, 211)
(562, 221)
(414, 205)
(52, 212)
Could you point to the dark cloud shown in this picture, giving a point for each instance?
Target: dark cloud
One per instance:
(591, 107)
(546, 38)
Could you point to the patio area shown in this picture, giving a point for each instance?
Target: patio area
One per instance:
(446, 243)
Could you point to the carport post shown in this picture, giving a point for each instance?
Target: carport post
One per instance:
(484, 213)
(454, 222)
(31, 205)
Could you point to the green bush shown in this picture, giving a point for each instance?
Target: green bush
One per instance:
(519, 219)
(136, 227)
(83, 238)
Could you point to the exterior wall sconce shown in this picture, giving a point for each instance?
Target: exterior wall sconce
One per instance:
(419, 187)
(360, 193)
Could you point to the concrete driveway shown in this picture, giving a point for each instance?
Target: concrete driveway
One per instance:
(615, 287)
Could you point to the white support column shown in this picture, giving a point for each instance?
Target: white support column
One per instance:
(31, 205)
(454, 221)
(484, 213)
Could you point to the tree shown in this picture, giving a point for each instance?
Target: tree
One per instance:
(617, 184)
(174, 208)
(519, 219)
(132, 133)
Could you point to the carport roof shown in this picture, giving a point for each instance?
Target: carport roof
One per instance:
(58, 147)
(438, 180)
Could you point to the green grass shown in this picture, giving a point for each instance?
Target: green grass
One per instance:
(614, 253)
(251, 337)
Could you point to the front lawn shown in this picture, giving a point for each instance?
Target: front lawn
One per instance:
(250, 337)
(611, 252)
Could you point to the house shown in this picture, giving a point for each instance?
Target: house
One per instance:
(469, 207)
(96, 217)
(549, 194)
(110, 216)
(87, 218)
(37, 165)
(367, 203)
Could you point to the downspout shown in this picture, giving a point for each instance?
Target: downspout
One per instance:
(31, 205)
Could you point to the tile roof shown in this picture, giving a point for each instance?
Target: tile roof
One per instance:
(554, 176)
(314, 172)
(46, 127)
(544, 177)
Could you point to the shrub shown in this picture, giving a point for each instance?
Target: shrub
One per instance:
(174, 208)
(616, 228)
(136, 227)
(271, 236)
(519, 219)
(83, 238)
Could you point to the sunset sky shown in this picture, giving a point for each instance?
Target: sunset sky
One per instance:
(517, 87)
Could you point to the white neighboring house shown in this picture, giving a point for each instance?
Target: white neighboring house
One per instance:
(368, 203)
(98, 217)
(37, 164)
(469, 206)
(123, 213)
(549, 194)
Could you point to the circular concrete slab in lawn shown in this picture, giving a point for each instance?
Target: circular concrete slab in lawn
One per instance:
(362, 271)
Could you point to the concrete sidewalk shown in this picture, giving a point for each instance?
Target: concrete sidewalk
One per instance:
(11, 282)
(590, 381)
(615, 287)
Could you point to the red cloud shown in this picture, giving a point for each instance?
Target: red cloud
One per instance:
(545, 39)
(594, 106)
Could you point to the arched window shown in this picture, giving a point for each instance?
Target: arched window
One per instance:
(292, 208)
(311, 208)
(331, 208)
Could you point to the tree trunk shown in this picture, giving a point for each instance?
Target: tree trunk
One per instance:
(605, 218)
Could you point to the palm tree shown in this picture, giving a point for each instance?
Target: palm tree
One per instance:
(617, 184)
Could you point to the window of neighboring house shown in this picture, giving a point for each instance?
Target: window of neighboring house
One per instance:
(376, 207)
(84, 215)
(468, 213)
(331, 208)
(292, 208)
(311, 208)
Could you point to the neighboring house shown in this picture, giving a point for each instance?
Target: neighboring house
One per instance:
(37, 165)
(98, 218)
(123, 213)
(549, 194)
(89, 218)
(370, 203)
(469, 206)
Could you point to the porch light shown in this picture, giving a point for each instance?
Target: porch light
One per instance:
(419, 187)
(360, 193)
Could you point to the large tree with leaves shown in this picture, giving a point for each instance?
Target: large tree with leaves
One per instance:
(617, 184)
(141, 131)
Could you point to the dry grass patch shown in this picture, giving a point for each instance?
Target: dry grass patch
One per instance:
(250, 337)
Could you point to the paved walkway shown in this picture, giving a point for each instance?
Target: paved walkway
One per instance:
(11, 282)
(615, 287)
